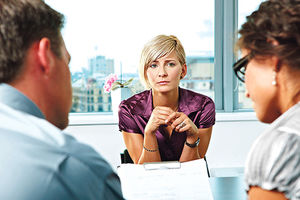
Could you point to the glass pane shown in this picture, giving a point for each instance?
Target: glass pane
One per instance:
(245, 8)
(105, 37)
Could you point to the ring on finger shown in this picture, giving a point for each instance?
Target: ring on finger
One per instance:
(182, 124)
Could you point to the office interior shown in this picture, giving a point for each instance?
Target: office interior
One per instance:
(106, 38)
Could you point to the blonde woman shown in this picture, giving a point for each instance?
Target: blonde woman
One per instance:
(166, 122)
(270, 67)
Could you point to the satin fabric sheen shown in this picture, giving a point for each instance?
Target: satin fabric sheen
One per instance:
(135, 112)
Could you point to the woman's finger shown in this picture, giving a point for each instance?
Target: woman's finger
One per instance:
(172, 117)
(181, 124)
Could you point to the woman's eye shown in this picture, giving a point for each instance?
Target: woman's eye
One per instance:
(153, 66)
(171, 64)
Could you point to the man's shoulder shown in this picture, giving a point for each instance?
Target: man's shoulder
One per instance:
(86, 155)
(53, 161)
(24, 125)
(30, 132)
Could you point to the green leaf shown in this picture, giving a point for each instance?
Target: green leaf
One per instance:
(117, 84)
(128, 82)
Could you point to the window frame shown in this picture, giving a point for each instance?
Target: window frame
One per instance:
(225, 88)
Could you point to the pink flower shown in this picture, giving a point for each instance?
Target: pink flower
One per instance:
(109, 81)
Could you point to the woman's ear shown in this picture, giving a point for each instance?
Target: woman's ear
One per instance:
(184, 71)
(45, 55)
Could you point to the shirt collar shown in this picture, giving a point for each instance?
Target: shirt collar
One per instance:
(13, 98)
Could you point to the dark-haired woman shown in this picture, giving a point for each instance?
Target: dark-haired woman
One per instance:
(270, 67)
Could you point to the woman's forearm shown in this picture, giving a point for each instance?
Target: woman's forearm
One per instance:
(190, 153)
(150, 151)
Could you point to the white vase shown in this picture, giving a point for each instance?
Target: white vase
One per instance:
(117, 96)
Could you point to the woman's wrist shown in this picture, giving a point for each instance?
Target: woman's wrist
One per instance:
(149, 133)
(150, 150)
(191, 138)
(193, 144)
(149, 130)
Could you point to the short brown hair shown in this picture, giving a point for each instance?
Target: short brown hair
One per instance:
(275, 20)
(23, 22)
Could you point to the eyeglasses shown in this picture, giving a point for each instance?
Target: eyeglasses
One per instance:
(239, 67)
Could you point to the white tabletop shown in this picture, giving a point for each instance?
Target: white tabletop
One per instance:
(165, 180)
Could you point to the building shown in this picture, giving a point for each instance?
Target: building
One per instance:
(89, 96)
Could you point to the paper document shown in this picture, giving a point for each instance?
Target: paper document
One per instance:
(165, 180)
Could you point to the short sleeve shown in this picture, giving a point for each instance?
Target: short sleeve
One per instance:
(127, 122)
(280, 167)
(208, 114)
(284, 166)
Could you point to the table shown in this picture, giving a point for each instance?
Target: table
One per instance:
(174, 180)
(228, 188)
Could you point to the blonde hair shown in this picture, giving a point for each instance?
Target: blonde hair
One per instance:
(156, 48)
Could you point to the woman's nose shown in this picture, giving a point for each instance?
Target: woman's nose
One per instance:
(162, 72)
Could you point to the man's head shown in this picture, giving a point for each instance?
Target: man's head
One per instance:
(33, 56)
(22, 23)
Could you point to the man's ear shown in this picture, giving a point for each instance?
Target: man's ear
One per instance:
(45, 55)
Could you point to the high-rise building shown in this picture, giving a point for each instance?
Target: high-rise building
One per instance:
(101, 66)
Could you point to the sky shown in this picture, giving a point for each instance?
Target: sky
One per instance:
(118, 29)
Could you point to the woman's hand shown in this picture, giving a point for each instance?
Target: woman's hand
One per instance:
(181, 122)
(158, 117)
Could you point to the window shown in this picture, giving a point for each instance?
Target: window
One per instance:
(245, 8)
(107, 36)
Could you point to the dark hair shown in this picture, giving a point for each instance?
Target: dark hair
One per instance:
(275, 21)
(23, 22)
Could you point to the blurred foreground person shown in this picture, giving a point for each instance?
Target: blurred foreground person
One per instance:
(270, 67)
(38, 161)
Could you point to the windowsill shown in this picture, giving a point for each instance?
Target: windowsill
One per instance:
(84, 119)
(236, 116)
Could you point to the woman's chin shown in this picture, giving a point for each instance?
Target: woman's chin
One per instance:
(265, 117)
(165, 89)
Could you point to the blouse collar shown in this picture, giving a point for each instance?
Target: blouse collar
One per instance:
(144, 103)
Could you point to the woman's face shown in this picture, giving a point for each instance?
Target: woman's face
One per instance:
(165, 73)
(258, 80)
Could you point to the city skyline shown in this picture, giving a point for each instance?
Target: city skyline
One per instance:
(118, 29)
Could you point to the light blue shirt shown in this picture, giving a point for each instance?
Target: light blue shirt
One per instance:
(39, 162)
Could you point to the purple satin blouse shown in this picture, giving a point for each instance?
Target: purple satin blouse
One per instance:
(135, 112)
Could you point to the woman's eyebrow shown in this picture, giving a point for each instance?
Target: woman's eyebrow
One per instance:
(168, 60)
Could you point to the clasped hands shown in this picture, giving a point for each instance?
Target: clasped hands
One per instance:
(179, 121)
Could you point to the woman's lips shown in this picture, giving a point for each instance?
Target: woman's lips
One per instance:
(163, 82)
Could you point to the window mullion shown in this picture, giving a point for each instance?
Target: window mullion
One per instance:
(230, 27)
(218, 71)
